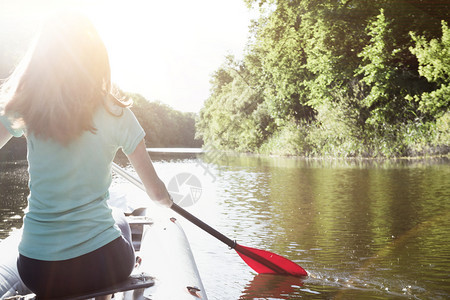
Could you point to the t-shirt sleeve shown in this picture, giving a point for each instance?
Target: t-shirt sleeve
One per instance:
(6, 121)
(131, 132)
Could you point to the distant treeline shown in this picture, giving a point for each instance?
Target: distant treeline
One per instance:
(366, 78)
(164, 126)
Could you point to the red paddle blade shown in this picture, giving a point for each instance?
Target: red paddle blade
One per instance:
(266, 262)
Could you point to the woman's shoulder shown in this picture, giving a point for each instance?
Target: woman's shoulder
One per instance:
(113, 106)
(113, 113)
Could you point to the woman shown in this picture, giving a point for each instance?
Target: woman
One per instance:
(60, 98)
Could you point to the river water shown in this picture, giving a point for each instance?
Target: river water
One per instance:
(363, 229)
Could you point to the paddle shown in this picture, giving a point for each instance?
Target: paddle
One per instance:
(261, 261)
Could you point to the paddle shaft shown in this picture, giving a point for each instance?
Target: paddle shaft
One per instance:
(175, 207)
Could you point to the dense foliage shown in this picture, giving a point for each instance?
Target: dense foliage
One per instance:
(336, 78)
(164, 126)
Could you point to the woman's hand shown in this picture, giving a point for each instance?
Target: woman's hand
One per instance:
(166, 201)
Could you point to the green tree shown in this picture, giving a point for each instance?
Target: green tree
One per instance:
(231, 117)
(379, 73)
(164, 126)
(434, 65)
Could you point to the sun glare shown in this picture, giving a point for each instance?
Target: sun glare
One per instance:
(152, 41)
(165, 50)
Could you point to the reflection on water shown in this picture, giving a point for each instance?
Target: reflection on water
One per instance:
(272, 286)
(362, 229)
(13, 195)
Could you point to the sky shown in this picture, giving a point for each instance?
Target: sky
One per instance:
(164, 50)
(167, 50)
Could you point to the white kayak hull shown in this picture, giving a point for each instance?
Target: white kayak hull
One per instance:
(167, 256)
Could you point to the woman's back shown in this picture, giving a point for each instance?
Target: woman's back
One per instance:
(68, 215)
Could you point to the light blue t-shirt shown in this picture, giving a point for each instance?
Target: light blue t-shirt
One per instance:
(67, 211)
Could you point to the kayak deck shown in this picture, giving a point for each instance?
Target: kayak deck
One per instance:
(136, 283)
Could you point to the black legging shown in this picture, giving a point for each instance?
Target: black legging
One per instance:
(103, 267)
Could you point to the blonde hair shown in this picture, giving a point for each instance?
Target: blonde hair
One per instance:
(60, 83)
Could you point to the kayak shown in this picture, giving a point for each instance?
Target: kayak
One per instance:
(165, 266)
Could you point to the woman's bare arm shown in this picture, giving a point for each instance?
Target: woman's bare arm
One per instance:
(144, 167)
